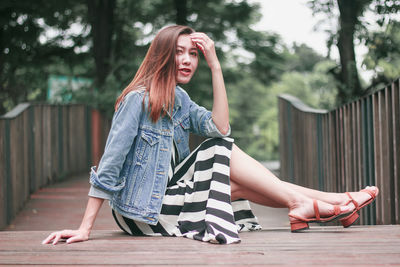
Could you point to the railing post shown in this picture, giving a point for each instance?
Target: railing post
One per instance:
(320, 145)
(60, 126)
(8, 186)
(289, 136)
(89, 134)
(31, 148)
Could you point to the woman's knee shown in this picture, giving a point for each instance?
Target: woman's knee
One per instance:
(236, 192)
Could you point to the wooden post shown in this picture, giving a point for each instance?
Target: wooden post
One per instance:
(96, 138)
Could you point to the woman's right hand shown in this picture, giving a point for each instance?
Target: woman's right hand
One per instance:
(82, 234)
(71, 236)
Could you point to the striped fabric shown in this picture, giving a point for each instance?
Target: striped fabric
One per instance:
(197, 203)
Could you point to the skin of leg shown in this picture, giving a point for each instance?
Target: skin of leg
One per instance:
(252, 181)
(248, 176)
(241, 192)
(332, 198)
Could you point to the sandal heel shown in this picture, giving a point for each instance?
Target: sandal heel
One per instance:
(297, 226)
(349, 220)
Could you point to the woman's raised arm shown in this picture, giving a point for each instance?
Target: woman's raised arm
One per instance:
(220, 110)
(82, 234)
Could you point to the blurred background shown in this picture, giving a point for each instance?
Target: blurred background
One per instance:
(88, 51)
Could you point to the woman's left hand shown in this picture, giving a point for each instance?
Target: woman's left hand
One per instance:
(206, 45)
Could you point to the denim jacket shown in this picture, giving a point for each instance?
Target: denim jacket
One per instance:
(134, 167)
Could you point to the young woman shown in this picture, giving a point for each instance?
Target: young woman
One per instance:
(156, 187)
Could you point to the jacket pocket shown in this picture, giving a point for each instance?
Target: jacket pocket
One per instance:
(146, 141)
(150, 138)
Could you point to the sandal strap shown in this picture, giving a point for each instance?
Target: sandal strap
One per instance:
(352, 200)
(337, 209)
(316, 209)
(370, 192)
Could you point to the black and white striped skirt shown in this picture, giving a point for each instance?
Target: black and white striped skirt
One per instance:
(197, 203)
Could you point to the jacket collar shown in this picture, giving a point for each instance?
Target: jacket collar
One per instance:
(178, 100)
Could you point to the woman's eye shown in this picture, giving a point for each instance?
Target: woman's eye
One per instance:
(179, 51)
(194, 54)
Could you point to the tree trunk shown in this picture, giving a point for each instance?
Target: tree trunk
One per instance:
(101, 17)
(349, 13)
(181, 12)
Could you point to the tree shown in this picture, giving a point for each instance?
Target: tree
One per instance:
(349, 19)
(101, 17)
(383, 56)
(181, 12)
(315, 88)
(351, 27)
(303, 58)
(26, 52)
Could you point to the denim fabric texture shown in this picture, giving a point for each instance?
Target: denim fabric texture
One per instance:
(134, 167)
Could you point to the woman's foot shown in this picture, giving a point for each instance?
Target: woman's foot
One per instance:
(359, 197)
(311, 210)
(359, 200)
(343, 199)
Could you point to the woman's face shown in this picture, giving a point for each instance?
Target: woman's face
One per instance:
(186, 59)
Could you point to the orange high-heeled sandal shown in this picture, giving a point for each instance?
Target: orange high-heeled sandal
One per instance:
(301, 223)
(352, 218)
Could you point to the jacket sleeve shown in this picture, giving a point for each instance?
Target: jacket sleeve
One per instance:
(98, 193)
(201, 122)
(124, 128)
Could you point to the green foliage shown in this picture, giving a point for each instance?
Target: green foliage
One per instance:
(316, 89)
(24, 56)
(303, 58)
(42, 38)
(383, 56)
(352, 27)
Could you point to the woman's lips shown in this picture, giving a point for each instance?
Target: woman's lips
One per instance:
(185, 71)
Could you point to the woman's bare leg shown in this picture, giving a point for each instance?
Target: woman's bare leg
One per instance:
(332, 198)
(252, 181)
(241, 192)
(328, 197)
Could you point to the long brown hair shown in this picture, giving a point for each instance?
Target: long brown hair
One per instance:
(157, 71)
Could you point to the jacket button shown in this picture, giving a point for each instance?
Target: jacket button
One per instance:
(178, 141)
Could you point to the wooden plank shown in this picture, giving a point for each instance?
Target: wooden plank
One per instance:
(390, 162)
(359, 246)
(25, 155)
(53, 143)
(350, 147)
(14, 145)
(396, 146)
(346, 143)
(38, 147)
(3, 178)
(378, 152)
(360, 152)
(342, 154)
(334, 152)
(385, 157)
(61, 206)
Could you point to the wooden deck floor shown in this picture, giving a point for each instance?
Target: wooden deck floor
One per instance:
(61, 206)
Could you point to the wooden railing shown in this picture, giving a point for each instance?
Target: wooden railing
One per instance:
(346, 149)
(41, 144)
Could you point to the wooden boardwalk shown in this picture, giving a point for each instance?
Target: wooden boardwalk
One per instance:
(62, 205)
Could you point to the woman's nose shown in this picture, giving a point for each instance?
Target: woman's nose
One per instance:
(186, 58)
